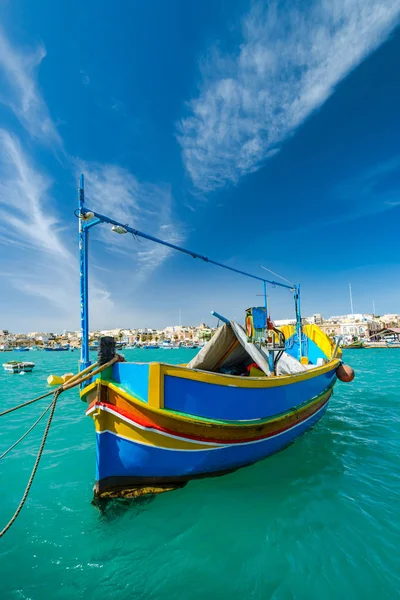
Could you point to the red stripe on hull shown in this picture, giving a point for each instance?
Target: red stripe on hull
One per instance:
(147, 423)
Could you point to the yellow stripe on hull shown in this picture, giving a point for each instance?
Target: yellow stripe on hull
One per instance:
(144, 427)
(185, 424)
(107, 421)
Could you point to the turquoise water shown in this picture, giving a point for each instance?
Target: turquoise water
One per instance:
(319, 520)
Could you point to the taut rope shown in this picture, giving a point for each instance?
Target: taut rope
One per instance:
(73, 382)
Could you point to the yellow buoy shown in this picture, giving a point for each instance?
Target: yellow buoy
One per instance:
(55, 380)
(59, 379)
(67, 376)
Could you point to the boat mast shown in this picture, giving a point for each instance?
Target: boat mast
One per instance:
(265, 298)
(83, 278)
(351, 300)
(298, 319)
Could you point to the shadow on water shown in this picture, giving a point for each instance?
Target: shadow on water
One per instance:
(113, 508)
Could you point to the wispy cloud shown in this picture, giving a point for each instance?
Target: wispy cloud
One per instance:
(21, 93)
(291, 57)
(26, 217)
(113, 190)
(44, 267)
(40, 264)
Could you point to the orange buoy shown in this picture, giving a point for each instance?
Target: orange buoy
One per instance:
(345, 373)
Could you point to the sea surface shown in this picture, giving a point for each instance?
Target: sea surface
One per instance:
(319, 520)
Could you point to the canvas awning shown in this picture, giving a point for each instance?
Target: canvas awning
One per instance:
(229, 349)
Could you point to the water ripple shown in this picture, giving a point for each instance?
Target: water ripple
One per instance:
(319, 520)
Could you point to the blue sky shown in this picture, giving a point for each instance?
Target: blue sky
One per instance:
(253, 132)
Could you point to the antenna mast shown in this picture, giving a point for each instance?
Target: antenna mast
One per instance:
(351, 300)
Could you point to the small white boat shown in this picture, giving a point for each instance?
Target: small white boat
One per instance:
(16, 366)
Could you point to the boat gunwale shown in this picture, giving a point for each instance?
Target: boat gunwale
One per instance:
(224, 379)
(201, 376)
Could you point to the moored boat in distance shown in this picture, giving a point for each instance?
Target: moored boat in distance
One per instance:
(167, 345)
(371, 344)
(16, 366)
(353, 346)
(56, 348)
(248, 393)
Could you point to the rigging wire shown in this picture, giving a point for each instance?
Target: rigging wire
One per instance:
(276, 274)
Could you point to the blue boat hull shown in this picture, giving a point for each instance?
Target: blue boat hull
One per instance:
(159, 426)
(131, 463)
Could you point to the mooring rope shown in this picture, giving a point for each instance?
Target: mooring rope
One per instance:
(10, 410)
(73, 382)
(52, 392)
(27, 431)
(35, 466)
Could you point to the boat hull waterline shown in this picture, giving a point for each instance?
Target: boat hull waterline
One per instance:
(145, 445)
(18, 367)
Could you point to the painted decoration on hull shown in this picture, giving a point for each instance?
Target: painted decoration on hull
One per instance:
(131, 463)
(139, 444)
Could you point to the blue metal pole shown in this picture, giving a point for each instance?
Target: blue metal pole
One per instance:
(298, 318)
(265, 297)
(83, 279)
(220, 317)
(146, 236)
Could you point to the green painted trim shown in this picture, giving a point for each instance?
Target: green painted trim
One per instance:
(229, 423)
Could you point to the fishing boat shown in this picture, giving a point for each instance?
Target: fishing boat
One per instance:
(166, 345)
(16, 366)
(353, 346)
(21, 349)
(57, 348)
(249, 392)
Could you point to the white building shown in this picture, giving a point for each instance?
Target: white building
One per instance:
(362, 326)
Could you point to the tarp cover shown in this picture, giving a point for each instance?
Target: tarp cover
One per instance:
(259, 356)
(229, 348)
(212, 354)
